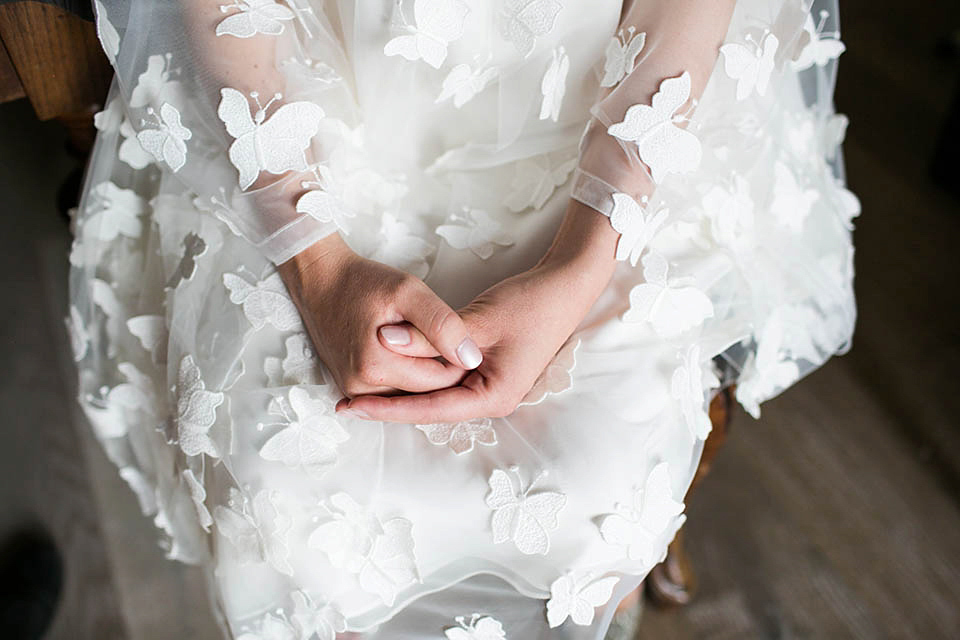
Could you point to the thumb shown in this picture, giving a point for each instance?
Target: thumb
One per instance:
(439, 327)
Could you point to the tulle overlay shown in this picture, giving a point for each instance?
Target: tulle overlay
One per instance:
(445, 137)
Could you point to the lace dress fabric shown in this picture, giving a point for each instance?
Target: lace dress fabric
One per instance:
(445, 137)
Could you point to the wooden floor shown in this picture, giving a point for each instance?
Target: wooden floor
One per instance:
(837, 515)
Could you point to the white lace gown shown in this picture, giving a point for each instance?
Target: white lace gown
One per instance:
(445, 137)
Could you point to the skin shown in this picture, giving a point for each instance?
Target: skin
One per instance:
(516, 323)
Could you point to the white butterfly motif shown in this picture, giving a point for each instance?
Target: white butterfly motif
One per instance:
(196, 410)
(400, 248)
(479, 627)
(154, 86)
(381, 555)
(113, 212)
(577, 598)
(687, 388)
(265, 302)
(818, 50)
(535, 181)
(131, 151)
(276, 144)
(257, 528)
(636, 225)
(554, 84)
(198, 494)
(437, 24)
(137, 394)
(556, 377)
(662, 145)
(151, 331)
(637, 527)
(476, 230)
(79, 336)
(166, 142)
(621, 56)
(193, 247)
(461, 436)
(464, 82)
(670, 306)
(324, 203)
(253, 17)
(729, 207)
(523, 21)
(310, 435)
(300, 366)
(526, 519)
(314, 621)
(791, 203)
(750, 66)
(768, 371)
(270, 627)
(109, 38)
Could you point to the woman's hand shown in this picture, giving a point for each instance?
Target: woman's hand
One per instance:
(519, 323)
(344, 300)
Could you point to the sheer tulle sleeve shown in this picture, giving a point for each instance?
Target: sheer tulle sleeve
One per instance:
(655, 69)
(239, 121)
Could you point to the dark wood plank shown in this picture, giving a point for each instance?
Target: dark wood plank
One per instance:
(10, 86)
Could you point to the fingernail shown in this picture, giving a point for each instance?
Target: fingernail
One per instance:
(397, 336)
(469, 354)
(356, 413)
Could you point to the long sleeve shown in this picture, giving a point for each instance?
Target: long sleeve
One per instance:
(231, 100)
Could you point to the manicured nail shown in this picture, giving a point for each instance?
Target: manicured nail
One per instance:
(396, 336)
(356, 413)
(469, 354)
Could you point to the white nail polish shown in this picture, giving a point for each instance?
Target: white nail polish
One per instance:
(469, 354)
(396, 336)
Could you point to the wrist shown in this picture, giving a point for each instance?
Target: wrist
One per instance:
(583, 250)
(316, 266)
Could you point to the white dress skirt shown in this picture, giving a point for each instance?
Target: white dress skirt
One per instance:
(446, 137)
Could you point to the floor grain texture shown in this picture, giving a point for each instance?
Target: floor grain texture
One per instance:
(837, 515)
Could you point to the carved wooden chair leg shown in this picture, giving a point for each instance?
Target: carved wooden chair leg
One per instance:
(672, 582)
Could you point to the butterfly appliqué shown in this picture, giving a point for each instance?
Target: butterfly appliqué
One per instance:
(670, 306)
(166, 140)
(556, 378)
(151, 331)
(463, 83)
(536, 179)
(264, 302)
(461, 436)
(479, 627)
(313, 620)
(257, 528)
(576, 597)
(323, 203)
(253, 17)
(638, 526)
(751, 66)
(300, 366)
(310, 434)
(791, 202)
(687, 387)
(521, 516)
(523, 21)
(113, 211)
(269, 627)
(821, 47)
(275, 144)
(768, 370)
(636, 224)
(198, 495)
(380, 554)
(437, 24)
(621, 56)
(196, 410)
(662, 145)
(554, 84)
(476, 230)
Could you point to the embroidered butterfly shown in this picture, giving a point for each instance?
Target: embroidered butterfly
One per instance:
(323, 203)
(461, 436)
(670, 306)
(265, 302)
(523, 21)
(819, 50)
(536, 179)
(636, 225)
(257, 529)
(310, 435)
(196, 410)
(437, 24)
(662, 145)
(525, 518)
(167, 141)
(274, 144)
(556, 377)
(253, 17)
(198, 495)
(638, 526)
(476, 230)
(621, 56)
(577, 598)
(311, 620)
(750, 66)
(464, 82)
(687, 388)
(151, 331)
(554, 84)
(477, 628)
